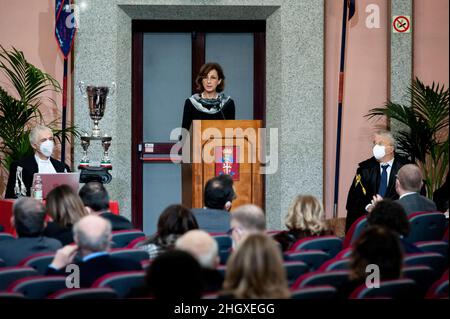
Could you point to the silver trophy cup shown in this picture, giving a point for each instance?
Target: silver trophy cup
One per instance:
(96, 96)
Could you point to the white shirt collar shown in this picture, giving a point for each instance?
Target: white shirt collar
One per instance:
(390, 163)
(406, 194)
(39, 160)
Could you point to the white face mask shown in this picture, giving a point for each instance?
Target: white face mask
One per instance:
(46, 148)
(379, 151)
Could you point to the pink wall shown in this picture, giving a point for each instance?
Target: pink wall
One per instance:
(431, 40)
(366, 79)
(29, 27)
(365, 88)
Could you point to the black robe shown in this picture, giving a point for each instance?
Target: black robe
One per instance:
(369, 172)
(30, 167)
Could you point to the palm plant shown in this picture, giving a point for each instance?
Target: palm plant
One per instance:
(426, 140)
(20, 107)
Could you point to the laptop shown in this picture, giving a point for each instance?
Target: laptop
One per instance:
(52, 180)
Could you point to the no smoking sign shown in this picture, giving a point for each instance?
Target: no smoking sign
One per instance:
(401, 24)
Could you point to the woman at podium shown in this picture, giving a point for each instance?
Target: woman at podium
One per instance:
(211, 103)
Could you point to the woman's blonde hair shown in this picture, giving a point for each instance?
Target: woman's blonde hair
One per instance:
(64, 206)
(306, 213)
(255, 270)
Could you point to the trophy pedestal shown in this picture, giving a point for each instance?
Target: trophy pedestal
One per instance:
(100, 172)
(95, 174)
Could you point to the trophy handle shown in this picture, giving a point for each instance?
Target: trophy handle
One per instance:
(112, 89)
(82, 89)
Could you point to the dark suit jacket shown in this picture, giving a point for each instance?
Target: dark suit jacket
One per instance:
(212, 220)
(96, 267)
(16, 250)
(369, 171)
(30, 167)
(63, 234)
(117, 222)
(416, 203)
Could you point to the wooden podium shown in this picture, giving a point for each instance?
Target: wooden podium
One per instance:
(223, 147)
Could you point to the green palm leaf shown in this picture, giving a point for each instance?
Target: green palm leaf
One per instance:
(426, 140)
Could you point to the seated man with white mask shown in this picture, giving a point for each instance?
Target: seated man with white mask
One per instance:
(375, 177)
(21, 172)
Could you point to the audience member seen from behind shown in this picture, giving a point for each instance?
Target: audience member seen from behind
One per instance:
(65, 209)
(173, 222)
(174, 275)
(376, 245)
(305, 218)
(92, 235)
(219, 195)
(205, 249)
(245, 220)
(96, 200)
(391, 214)
(255, 270)
(29, 221)
(408, 185)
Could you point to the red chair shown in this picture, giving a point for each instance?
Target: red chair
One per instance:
(38, 287)
(138, 255)
(136, 242)
(318, 278)
(38, 261)
(424, 276)
(312, 258)
(395, 289)
(6, 236)
(433, 246)
(11, 295)
(438, 290)
(355, 230)
(345, 253)
(335, 264)
(294, 269)
(122, 282)
(222, 269)
(426, 226)
(84, 293)
(223, 240)
(122, 238)
(445, 237)
(318, 292)
(434, 260)
(10, 274)
(329, 244)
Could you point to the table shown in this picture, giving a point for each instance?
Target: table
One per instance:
(6, 213)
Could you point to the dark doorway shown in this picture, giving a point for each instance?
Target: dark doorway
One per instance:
(178, 49)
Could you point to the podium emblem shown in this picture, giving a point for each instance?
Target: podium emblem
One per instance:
(226, 161)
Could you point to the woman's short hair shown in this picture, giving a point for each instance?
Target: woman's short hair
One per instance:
(255, 270)
(64, 206)
(377, 245)
(390, 214)
(306, 213)
(204, 70)
(173, 222)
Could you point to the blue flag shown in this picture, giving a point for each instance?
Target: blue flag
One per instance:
(351, 5)
(65, 25)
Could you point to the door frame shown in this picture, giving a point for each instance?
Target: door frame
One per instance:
(197, 28)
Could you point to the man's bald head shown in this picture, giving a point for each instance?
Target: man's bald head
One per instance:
(201, 245)
(410, 178)
(249, 217)
(92, 233)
